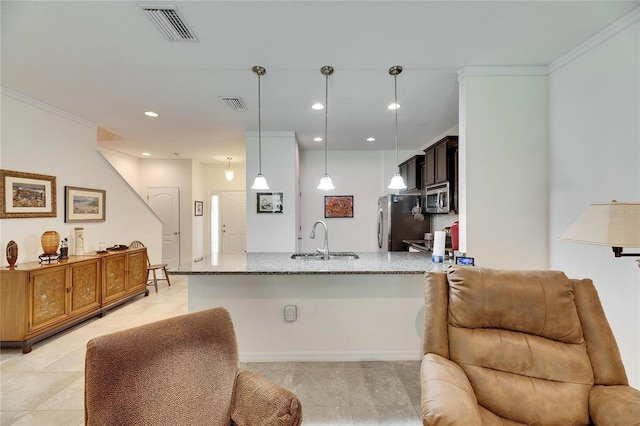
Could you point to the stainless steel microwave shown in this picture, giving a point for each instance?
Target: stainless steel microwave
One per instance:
(437, 198)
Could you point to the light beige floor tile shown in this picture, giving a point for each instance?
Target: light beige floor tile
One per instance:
(375, 386)
(37, 360)
(26, 391)
(391, 415)
(51, 418)
(409, 374)
(327, 416)
(10, 417)
(320, 387)
(70, 398)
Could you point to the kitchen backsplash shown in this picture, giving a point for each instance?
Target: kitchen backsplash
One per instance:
(440, 221)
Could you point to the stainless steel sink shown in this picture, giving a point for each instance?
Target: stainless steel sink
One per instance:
(346, 255)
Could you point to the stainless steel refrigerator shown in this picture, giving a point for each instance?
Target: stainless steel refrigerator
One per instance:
(396, 222)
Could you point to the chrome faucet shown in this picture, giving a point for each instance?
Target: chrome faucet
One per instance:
(325, 250)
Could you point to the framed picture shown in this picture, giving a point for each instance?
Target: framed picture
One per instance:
(27, 195)
(198, 208)
(84, 204)
(338, 206)
(269, 202)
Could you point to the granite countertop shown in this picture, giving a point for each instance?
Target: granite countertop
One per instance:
(281, 263)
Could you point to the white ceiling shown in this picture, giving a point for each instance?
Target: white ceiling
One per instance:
(105, 61)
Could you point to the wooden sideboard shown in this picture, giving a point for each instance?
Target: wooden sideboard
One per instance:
(38, 300)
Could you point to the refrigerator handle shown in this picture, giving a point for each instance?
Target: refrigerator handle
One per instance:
(380, 228)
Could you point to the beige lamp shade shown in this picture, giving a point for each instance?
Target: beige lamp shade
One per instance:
(612, 224)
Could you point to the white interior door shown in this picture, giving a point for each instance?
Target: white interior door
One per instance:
(165, 202)
(234, 222)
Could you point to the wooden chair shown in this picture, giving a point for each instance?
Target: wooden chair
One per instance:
(153, 268)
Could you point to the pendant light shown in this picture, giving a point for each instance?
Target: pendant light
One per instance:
(260, 182)
(325, 180)
(396, 181)
(229, 173)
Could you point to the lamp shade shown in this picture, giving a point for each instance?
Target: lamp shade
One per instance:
(612, 224)
(260, 182)
(326, 183)
(397, 182)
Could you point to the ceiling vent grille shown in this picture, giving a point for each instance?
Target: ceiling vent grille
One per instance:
(170, 23)
(233, 103)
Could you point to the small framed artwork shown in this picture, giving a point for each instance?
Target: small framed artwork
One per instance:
(84, 204)
(270, 202)
(198, 208)
(338, 206)
(27, 195)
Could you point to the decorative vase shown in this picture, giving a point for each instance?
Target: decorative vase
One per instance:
(50, 241)
(12, 253)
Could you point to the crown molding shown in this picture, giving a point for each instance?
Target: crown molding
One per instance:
(613, 29)
(485, 71)
(46, 107)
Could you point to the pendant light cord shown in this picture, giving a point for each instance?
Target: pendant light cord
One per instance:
(395, 88)
(260, 129)
(326, 112)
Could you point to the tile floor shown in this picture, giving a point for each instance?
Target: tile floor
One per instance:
(46, 387)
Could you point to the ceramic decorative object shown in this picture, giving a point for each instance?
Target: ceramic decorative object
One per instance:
(79, 234)
(50, 241)
(12, 253)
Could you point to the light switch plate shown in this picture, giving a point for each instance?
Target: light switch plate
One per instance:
(290, 313)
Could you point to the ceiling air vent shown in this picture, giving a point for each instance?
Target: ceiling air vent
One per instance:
(233, 103)
(170, 23)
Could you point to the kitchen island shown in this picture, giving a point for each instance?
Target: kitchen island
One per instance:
(370, 308)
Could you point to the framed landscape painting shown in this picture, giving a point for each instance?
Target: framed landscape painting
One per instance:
(27, 195)
(84, 204)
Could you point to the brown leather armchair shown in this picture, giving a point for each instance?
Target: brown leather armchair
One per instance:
(180, 371)
(520, 348)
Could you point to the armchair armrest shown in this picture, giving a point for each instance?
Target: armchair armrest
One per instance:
(614, 405)
(258, 401)
(447, 395)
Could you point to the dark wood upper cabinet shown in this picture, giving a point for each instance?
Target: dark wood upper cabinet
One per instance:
(440, 161)
(411, 171)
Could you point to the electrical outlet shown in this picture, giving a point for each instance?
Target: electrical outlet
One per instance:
(290, 313)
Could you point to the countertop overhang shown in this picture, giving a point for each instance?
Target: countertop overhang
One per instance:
(281, 263)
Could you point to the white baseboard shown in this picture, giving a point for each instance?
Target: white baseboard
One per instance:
(329, 356)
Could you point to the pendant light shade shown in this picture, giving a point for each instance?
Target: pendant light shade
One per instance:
(229, 173)
(260, 182)
(396, 181)
(325, 181)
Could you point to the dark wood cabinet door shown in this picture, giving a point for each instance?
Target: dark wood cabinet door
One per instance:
(429, 166)
(441, 163)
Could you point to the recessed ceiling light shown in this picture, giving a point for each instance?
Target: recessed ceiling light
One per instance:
(317, 106)
(393, 106)
(150, 114)
(317, 139)
(146, 154)
(371, 139)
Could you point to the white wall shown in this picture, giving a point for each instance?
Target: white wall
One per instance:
(595, 157)
(356, 173)
(37, 138)
(503, 174)
(127, 166)
(274, 232)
